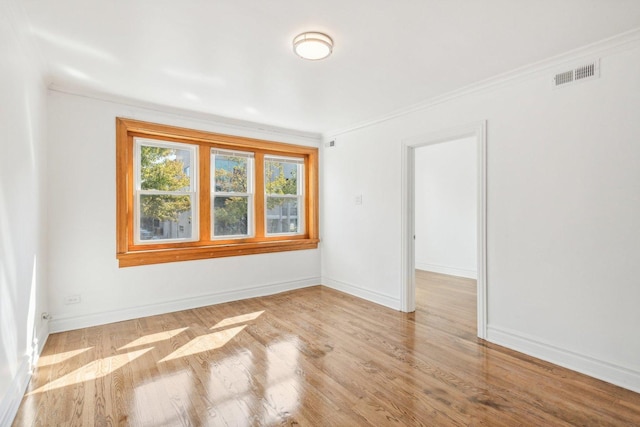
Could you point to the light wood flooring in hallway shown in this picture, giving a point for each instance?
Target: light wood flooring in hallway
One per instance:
(311, 357)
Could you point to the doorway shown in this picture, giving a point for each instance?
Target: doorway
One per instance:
(408, 253)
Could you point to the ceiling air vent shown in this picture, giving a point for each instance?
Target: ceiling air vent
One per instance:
(581, 73)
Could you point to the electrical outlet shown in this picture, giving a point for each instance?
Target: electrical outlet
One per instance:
(72, 299)
(358, 199)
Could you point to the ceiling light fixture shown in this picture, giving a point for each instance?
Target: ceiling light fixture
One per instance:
(312, 45)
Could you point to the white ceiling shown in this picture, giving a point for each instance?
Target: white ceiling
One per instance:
(234, 57)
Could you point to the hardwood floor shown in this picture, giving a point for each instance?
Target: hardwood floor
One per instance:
(311, 357)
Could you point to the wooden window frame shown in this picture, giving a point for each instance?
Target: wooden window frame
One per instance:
(130, 254)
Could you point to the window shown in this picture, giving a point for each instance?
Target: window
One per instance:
(184, 194)
(284, 195)
(232, 194)
(165, 192)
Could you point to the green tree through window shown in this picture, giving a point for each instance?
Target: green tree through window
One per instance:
(162, 170)
(231, 202)
(283, 199)
(277, 183)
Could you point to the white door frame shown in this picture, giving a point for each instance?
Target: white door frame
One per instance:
(408, 286)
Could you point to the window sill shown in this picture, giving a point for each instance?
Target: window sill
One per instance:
(159, 256)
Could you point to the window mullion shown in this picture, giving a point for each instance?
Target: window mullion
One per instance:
(259, 196)
(205, 192)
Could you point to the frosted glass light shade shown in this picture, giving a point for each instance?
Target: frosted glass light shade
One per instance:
(312, 46)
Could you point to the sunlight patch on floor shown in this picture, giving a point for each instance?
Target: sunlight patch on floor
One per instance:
(205, 343)
(96, 369)
(237, 319)
(52, 359)
(152, 338)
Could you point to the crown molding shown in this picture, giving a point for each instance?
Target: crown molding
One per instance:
(623, 41)
(208, 118)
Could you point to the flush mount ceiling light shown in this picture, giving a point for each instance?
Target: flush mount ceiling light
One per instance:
(312, 45)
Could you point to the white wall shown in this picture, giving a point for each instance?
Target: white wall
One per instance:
(23, 291)
(81, 179)
(563, 209)
(446, 208)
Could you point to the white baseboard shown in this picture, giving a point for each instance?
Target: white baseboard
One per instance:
(451, 271)
(61, 323)
(43, 336)
(11, 402)
(359, 292)
(609, 372)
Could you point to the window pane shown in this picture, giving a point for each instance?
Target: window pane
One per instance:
(230, 174)
(281, 177)
(230, 216)
(165, 216)
(165, 169)
(282, 215)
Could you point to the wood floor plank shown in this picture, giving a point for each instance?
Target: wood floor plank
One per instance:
(312, 357)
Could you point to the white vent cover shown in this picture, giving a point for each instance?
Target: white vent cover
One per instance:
(583, 72)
